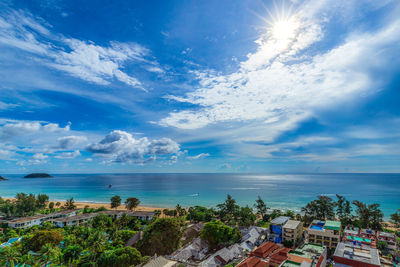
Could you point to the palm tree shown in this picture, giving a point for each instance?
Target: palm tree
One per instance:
(10, 256)
(50, 254)
(96, 243)
(30, 260)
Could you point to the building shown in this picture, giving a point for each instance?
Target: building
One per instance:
(308, 255)
(83, 218)
(160, 261)
(252, 262)
(389, 238)
(194, 251)
(30, 221)
(276, 227)
(324, 233)
(223, 256)
(265, 250)
(349, 254)
(292, 231)
(142, 215)
(278, 256)
(357, 236)
(252, 237)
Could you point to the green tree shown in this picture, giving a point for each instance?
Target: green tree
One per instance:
(115, 202)
(10, 256)
(162, 236)
(343, 210)
(369, 216)
(246, 216)
(200, 214)
(70, 204)
(42, 200)
(50, 254)
(101, 221)
(131, 203)
(120, 257)
(218, 234)
(51, 205)
(395, 218)
(71, 253)
(229, 209)
(261, 207)
(36, 241)
(180, 211)
(96, 243)
(322, 208)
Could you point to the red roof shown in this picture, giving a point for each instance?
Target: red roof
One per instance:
(265, 249)
(279, 255)
(252, 262)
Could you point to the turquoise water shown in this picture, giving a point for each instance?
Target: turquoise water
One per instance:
(286, 191)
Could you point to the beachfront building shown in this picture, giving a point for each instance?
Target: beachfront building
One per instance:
(276, 228)
(292, 231)
(350, 254)
(325, 233)
(30, 221)
(308, 255)
(359, 237)
(389, 238)
(83, 218)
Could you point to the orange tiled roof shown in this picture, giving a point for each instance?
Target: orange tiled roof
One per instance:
(265, 249)
(299, 259)
(279, 255)
(252, 262)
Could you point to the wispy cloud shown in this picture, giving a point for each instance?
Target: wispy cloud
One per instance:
(79, 58)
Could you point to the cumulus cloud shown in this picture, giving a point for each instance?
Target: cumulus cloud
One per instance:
(13, 128)
(199, 156)
(36, 159)
(79, 58)
(121, 146)
(67, 142)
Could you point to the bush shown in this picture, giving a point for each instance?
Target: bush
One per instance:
(120, 257)
(40, 238)
(218, 234)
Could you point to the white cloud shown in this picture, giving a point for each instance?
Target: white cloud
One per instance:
(36, 159)
(13, 128)
(282, 84)
(199, 156)
(67, 142)
(81, 59)
(68, 155)
(120, 146)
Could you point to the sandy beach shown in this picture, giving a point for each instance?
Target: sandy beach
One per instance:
(95, 205)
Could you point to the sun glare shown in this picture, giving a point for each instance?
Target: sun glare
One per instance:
(284, 29)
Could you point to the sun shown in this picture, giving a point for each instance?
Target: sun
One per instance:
(284, 29)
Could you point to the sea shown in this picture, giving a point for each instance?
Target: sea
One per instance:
(281, 191)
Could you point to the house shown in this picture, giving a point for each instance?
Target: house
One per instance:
(265, 250)
(74, 220)
(355, 255)
(223, 256)
(325, 233)
(160, 261)
(389, 238)
(194, 251)
(30, 221)
(292, 231)
(276, 228)
(278, 256)
(142, 215)
(308, 255)
(355, 235)
(252, 262)
(252, 236)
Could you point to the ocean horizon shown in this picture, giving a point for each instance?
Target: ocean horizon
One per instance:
(166, 190)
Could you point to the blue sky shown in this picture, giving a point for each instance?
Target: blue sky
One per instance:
(199, 86)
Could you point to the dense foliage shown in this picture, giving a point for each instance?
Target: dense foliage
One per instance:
(162, 236)
(218, 234)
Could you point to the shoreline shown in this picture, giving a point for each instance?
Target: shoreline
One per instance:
(96, 205)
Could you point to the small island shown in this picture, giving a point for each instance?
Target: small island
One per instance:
(2, 178)
(38, 175)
